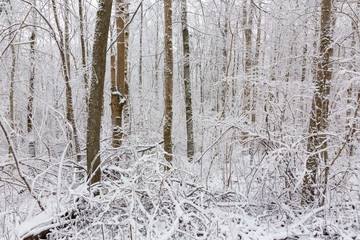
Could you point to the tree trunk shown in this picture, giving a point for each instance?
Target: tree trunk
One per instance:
(97, 90)
(83, 52)
(247, 25)
(64, 51)
(12, 85)
(350, 91)
(11, 95)
(126, 111)
(140, 52)
(31, 96)
(187, 83)
(119, 95)
(256, 64)
(115, 121)
(317, 144)
(222, 94)
(157, 57)
(168, 70)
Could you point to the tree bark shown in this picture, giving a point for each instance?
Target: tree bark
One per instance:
(83, 52)
(221, 101)
(350, 91)
(247, 24)
(11, 95)
(168, 70)
(97, 90)
(31, 97)
(119, 95)
(114, 100)
(317, 144)
(140, 52)
(64, 51)
(187, 83)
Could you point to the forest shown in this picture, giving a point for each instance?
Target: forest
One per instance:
(179, 119)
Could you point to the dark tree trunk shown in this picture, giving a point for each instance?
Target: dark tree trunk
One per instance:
(97, 90)
(317, 143)
(168, 80)
(187, 83)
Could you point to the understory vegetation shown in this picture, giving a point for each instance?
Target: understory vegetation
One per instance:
(179, 119)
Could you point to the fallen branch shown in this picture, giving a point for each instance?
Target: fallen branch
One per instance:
(42, 224)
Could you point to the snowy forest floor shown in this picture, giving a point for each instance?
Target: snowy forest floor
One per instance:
(137, 199)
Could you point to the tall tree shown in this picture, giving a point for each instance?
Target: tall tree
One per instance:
(31, 96)
(64, 50)
(247, 25)
(168, 85)
(12, 84)
(221, 102)
(119, 95)
(97, 89)
(187, 83)
(317, 143)
(141, 49)
(114, 99)
(83, 50)
(11, 95)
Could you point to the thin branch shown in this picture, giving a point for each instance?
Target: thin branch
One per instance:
(216, 141)
(350, 134)
(22, 23)
(149, 148)
(53, 33)
(258, 7)
(132, 18)
(18, 167)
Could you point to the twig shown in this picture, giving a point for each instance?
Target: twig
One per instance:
(22, 23)
(350, 134)
(18, 167)
(258, 7)
(149, 148)
(132, 18)
(213, 144)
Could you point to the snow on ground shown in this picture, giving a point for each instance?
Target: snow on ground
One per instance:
(143, 201)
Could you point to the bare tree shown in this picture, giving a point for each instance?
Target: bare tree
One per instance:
(97, 90)
(317, 144)
(31, 96)
(141, 50)
(119, 93)
(247, 25)
(168, 80)
(64, 51)
(11, 95)
(187, 83)
(83, 50)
